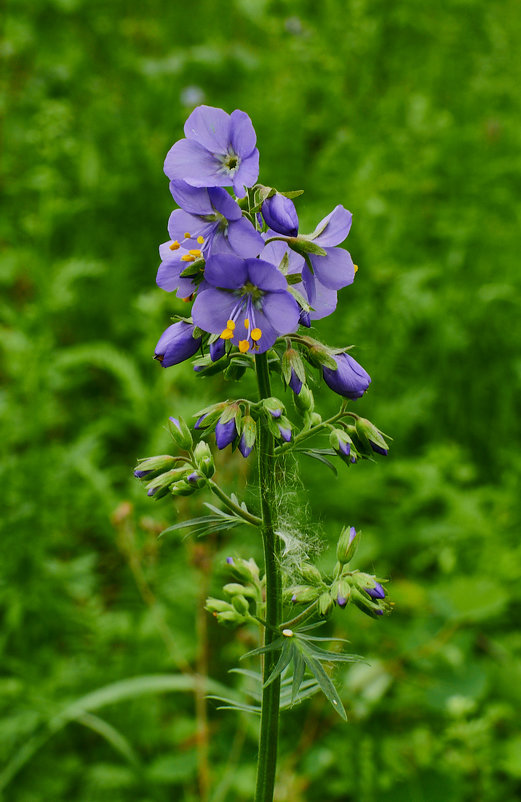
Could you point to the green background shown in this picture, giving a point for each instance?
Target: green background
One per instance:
(408, 114)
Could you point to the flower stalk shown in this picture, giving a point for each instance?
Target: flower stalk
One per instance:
(269, 727)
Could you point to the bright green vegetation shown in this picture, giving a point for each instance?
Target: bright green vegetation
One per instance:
(408, 114)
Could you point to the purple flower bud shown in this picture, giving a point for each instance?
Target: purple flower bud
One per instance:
(341, 600)
(194, 477)
(244, 448)
(200, 420)
(280, 214)
(352, 534)
(217, 349)
(151, 491)
(176, 344)
(377, 592)
(378, 449)
(349, 380)
(229, 560)
(344, 448)
(141, 474)
(285, 433)
(295, 383)
(225, 433)
(294, 598)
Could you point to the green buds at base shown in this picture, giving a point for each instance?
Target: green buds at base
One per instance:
(347, 544)
(180, 433)
(325, 603)
(369, 434)
(204, 460)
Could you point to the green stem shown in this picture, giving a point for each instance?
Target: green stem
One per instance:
(253, 520)
(269, 726)
(300, 617)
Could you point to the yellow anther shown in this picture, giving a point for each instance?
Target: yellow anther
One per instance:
(187, 235)
(195, 252)
(246, 323)
(256, 334)
(244, 346)
(227, 334)
(230, 325)
(174, 245)
(200, 240)
(356, 268)
(188, 258)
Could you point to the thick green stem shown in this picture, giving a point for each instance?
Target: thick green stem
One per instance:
(269, 726)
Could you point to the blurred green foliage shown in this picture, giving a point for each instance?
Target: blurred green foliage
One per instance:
(406, 113)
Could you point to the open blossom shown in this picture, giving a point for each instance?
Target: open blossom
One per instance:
(330, 272)
(245, 301)
(219, 151)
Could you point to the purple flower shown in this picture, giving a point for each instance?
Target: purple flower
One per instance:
(219, 151)
(141, 474)
(210, 221)
(349, 380)
(377, 592)
(280, 214)
(285, 431)
(230, 560)
(225, 433)
(330, 272)
(176, 344)
(245, 301)
(341, 600)
(378, 449)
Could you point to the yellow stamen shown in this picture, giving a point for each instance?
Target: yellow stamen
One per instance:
(200, 240)
(174, 245)
(230, 325)
(356, 268)
(195, 252)
(227, 334)
(187, 235)
(187, 300)
(244, 346)
(256, 334)
(246, 323)
(188, 258)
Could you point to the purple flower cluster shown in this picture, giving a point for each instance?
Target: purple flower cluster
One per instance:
(240, 257)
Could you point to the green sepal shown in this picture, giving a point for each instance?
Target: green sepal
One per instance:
(248, 431)
(294, 278)
(234, 371)
(294, 193)
(193, 268)
(302, 245)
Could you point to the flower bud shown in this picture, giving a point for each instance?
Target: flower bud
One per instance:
(305, 400)
(273, 406)
(182, 488)
(164, 480)
(176, 344)
(293, 370)
(311, 574)
(367, 431)
(365, 603)
(325, 603)
(240, 604)
(153, 465)
(217, 349)
(347, 544)
(280, 214)
(248, 435)
(244, 570)
(341, 443)
(284, 427)
(225, 432)
(234, 589)
(303, 593)
(204, 460)
(195, 479)
(180, 433)
(342, 592)
(349, 380)
(207, 417)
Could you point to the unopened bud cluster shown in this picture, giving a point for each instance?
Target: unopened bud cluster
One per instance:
(365, 591)
(243, 596)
